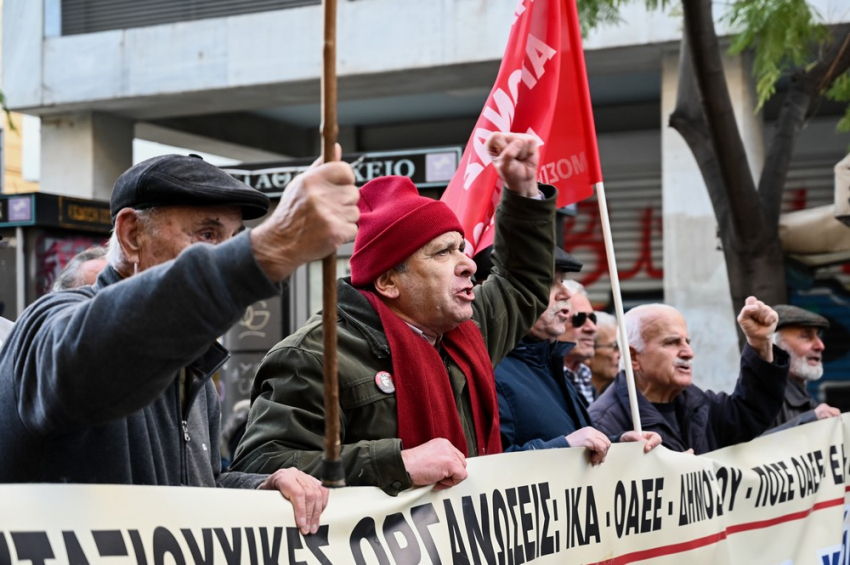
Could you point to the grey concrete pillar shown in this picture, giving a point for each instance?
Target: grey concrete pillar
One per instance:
(695, 277)
(82, 154)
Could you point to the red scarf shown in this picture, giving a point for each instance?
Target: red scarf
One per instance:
(424, 398)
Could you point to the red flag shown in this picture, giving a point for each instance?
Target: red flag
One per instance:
(541, 89)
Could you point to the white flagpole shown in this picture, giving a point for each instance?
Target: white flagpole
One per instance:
(618, 304)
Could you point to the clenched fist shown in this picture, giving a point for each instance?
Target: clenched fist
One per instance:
(758, 322)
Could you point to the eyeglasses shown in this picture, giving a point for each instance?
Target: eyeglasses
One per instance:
(614, 345)
(579, 318)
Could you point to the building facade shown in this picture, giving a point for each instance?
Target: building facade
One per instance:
(241, 79)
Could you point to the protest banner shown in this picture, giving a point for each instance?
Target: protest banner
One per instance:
(779, 499)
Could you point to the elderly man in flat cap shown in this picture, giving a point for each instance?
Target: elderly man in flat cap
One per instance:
(798, 332)
(111, 383)
(417, 344)
(539, 408)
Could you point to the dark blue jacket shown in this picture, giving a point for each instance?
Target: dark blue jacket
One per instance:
(538, 406)
(707, 420)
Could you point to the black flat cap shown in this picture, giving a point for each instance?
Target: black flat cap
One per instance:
(180, 180)
(565, 262)
(794, 316)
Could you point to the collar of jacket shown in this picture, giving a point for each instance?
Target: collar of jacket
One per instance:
(649, 415)
(796, 395)
(532, 350)
(205, 365)
(356, 310)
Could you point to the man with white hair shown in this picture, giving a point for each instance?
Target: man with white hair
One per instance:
(580, 331)
(538, 407)
(685, 416)
(605, 363)
(799, 333)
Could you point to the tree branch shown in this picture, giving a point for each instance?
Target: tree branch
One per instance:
(688, 119)
(792, 116)
(746, 219)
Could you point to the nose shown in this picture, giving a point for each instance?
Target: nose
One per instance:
(466, 267)
(562, 292)
(687, 352)
(818, 346)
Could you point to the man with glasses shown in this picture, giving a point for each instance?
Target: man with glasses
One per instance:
(605, 363)
(538, 407)
(581, 331)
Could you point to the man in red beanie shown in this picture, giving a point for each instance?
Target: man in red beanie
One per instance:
(417, 345)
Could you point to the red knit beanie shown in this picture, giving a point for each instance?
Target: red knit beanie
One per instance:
(394, 223)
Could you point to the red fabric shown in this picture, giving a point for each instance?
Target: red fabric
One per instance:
(541, 89)
(395, 221)
(424, 398)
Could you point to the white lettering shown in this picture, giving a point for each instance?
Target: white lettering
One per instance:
(538, 53)
(404, 167)
(505, 116)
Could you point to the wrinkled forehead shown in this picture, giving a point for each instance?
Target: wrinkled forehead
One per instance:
(580, 303)
(450, 238)
(662, 323)
(225, 215)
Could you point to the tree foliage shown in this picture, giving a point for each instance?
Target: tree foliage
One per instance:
(788, 41)
(785, 37)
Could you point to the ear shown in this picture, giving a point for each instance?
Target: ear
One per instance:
(127, 228)
(387, 285)
(635, 363)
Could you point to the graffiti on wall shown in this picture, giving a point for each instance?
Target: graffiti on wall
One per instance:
(53, 253)
(637, 246)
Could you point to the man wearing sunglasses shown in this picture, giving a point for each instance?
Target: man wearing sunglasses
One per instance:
(538, 407)
(581, 331)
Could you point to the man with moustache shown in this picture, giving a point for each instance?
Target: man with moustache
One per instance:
(416, 344)
(605, 363)
(685, 416)
(539, 408)
(581, 332)
(799, 333)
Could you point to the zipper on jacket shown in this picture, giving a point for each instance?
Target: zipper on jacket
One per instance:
(186, 437)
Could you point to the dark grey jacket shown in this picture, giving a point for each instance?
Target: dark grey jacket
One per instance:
(90, 379)
(707, 420)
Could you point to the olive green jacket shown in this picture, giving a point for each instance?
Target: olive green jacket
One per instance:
(286, 423)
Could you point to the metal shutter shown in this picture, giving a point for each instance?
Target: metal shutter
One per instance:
(634, 207)
(88, 16)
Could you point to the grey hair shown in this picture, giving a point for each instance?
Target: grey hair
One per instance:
(114, 253)
(575, 287)
(605, 320)
(69, 276)
(636, 318)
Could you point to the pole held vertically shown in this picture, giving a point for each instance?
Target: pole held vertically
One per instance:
(332, 470)
(618, 304)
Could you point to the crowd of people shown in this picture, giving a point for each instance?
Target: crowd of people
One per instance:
(433, 369)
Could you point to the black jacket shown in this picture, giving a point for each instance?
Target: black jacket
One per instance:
(707, 420)
(538, 406)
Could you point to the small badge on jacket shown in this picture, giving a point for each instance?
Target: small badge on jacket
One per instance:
(384, 380)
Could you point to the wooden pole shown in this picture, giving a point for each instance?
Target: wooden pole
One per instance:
(618, 304)
(332, 472)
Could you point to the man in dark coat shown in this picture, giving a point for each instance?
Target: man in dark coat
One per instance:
(539, 408)
(686, 416)
(799, 333)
